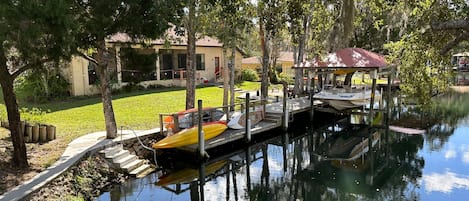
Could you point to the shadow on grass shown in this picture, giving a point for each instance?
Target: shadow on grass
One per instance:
(80, 101)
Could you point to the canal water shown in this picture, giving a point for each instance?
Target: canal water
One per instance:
(335, 161)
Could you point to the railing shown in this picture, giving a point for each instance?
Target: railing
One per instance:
(175, 74)
(172, 126)
(140, 141)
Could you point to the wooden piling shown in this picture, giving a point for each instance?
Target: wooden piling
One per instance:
(200, 130)
(313, 89)
(285, 110)
(161, 123)
(247, 123)
(388, 98)
(373, 91)
(176, 123)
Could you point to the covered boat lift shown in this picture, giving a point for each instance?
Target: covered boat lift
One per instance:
(347, 61)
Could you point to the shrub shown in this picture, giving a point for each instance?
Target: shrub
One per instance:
(40, 85)
(249, 75)
(283, 77)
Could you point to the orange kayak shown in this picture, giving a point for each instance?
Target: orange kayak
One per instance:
(190, 135)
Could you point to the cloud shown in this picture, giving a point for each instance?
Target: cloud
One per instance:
(451, 153)
(445, 182)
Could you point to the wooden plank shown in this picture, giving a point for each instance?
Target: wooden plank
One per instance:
(231, 135)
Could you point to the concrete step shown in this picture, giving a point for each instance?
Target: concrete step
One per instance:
(124, 161)
(142, 171)
(108, 152)
(121, 154)
(132, 165)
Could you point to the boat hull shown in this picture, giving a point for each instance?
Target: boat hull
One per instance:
(343, 99)
(238, 119)
(190, 136)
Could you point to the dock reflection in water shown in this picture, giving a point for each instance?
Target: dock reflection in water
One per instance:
(329, 163)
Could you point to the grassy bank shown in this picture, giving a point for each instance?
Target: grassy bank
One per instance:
(138, 110)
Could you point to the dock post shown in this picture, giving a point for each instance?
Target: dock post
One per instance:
(373, 75)
(311, 94)
(200, 130)
(248, 168)
(285, 110)
(176, 123)
(388, 98)
(161, 124)
(247, 125)
(201, 181)
(381, 99)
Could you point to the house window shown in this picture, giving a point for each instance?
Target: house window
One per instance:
(92, 76)
(182, 61)
(166, 71)
(200, 61)
(138, 65)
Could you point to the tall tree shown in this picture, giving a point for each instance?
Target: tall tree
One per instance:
(32, 33)
(191, 24)
(231, 19)
(271, 21)
(100, 19)
(299, 17)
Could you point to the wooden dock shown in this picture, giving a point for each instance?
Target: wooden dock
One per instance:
(272, 120)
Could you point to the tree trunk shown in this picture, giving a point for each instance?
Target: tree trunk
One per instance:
(265, 61)
(20, 159)
(299, 73)
(190, 81)
(103, 72)
(232, 77)
(226, 81)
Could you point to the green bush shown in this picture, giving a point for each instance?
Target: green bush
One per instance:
(283, 77)
(249, 75)
(41, 85)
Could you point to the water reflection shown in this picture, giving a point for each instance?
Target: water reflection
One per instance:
(317, 165)
(338, 161)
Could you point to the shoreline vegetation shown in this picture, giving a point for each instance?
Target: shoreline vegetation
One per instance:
(79, 116)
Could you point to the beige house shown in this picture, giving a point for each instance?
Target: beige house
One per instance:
(284, 63)
(158, 62)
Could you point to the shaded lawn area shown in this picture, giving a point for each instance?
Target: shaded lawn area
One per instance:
(137, 110)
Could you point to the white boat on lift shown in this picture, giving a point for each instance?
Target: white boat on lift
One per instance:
(346, 98)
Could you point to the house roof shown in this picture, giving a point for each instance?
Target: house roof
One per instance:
(348, 58)
(283, 57)
(251, 60)
(171, 37)
(286, 56)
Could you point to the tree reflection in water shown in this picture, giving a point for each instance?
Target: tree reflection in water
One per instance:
(299, 165)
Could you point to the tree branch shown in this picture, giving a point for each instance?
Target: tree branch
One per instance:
(91, 59)
(463, 36)
(26, 67)
(451, 24)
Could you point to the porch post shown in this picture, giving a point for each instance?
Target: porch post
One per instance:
(118, 65)
(157, 65)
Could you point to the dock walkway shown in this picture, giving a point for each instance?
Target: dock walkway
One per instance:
(272, 120)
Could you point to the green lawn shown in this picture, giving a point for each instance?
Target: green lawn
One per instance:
(138, 110)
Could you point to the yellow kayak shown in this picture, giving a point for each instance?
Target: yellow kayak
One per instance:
(190, 135)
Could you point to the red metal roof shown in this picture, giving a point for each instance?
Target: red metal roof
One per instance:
(351, 57)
